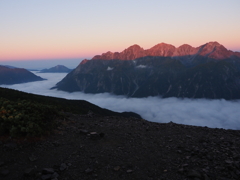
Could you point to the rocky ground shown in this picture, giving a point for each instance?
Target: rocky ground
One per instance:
(97, 147)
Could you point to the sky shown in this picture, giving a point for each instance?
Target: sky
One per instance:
(200, 112)
(55, 30)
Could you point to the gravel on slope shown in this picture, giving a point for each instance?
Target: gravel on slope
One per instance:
(97, 147)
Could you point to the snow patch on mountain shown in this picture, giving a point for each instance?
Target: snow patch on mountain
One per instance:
(141, 66)
(110, 68)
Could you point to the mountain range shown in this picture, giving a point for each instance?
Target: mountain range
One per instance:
(212, 50)
(208, 71)
(56, 69)
(11, 75)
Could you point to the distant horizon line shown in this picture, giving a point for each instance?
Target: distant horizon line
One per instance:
(43, 59)
(91, 56)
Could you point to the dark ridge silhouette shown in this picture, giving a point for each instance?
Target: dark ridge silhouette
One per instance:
(12, 75)
(57, 69)
(73, 106)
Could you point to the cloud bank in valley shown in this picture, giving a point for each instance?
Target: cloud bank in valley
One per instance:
(200, 112)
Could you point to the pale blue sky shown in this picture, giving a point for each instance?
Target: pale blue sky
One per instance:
(51, 29)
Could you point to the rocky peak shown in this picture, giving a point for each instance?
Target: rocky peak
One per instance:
(209, 47)
(215, 50)
(213, 44)
(185, 50)
(107, 56)
(132, 52)
(134, 47)
(161, 49)
(163, 46)
(212, 50)
(84, 61)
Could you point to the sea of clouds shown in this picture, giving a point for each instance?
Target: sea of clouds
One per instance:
(201, 112)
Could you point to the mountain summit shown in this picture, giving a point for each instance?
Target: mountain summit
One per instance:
(211, 50)
(56, 69)
(130, 53)
(208, 71)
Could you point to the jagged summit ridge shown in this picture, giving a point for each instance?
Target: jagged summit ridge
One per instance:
(211, 49)
(161, 49)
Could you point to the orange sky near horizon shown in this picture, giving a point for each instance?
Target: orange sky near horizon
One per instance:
(35, 53)
(34, 30)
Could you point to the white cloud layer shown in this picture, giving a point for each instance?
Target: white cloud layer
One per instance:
(200, 112)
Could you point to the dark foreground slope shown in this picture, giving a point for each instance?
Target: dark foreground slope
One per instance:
(16, 76)
(100, 144)
(97, 147)
(73, 106)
